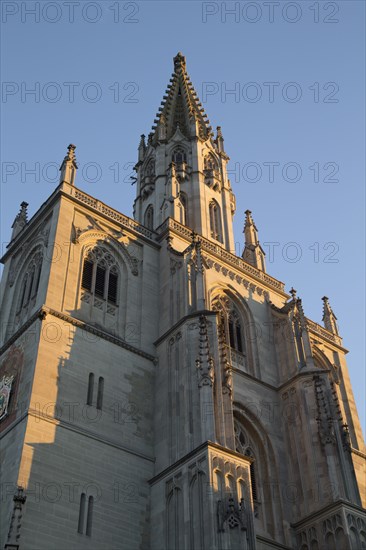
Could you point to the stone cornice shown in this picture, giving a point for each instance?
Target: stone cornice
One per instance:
(204, 446)
(93, 204)
(358, 453)
(21, 330)
(77, 429)
(325, 510)
(326, 335)
(266, 281)
(272, 543)
(109, 213)
(31, 225)
(98, 332)
(194, 315)
(42, 312)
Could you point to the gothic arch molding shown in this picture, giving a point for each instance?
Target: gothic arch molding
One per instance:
(249, 326)
(322, 361)
(99, 238)
(266, 467)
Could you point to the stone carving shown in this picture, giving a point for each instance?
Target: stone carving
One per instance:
(204, 363)
(16, 518)
(324, 416)
(232, 515)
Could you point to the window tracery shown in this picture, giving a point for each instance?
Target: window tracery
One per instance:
(179, 156)
(149, 217)
(211, 171)
(30, 283)
(244, 446)
(230, 323)
(100, 274)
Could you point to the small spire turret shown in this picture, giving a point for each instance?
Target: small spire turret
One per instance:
(219, 140)
(329, 319)
(69, 166)
(21, 219)
(253, 252)
(142, 148)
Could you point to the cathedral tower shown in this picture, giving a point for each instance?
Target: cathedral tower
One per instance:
(181, 170)
(158, 392)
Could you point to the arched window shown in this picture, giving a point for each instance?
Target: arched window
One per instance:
(230, 323)
(215, 221)
(100, 274)
(30, 283)
(150, 168)
(210, 163)
(179, 155)
(244, 446)
(149, 217)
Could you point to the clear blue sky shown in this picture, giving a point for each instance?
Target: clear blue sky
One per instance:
(315, 195)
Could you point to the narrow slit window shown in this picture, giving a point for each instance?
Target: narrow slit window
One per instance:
(231, 334)
(31, 282)
(87, 275)
(149, 217)
(100, 392)
(89, 518)
(254, 482)
(89, 399)
(38, 276)
(81, 513)
(112, 287)
(100, 281)
(238, 338)
(22, 301)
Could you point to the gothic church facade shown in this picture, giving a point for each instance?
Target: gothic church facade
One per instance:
(158, 392)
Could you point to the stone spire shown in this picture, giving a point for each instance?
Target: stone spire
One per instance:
(329, 319)
(219, 140)
(21, 219)
(181, 108)
(142, 148)
(69, 166)
(253, 252)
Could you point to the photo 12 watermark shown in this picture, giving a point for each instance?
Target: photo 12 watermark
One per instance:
(30, 12)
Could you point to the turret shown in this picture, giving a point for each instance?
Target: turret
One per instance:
(253, 252)
(21, 219)
(329, 319)
(182, 173)
(142, 148)
(69, 166)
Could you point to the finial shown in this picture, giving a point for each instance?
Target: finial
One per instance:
(293, 293)
(219, 140)
(179, 61)
(69, 166)
(23, 213)
(248, 217)
(21, 219)
(329, 319)
(71, 151)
